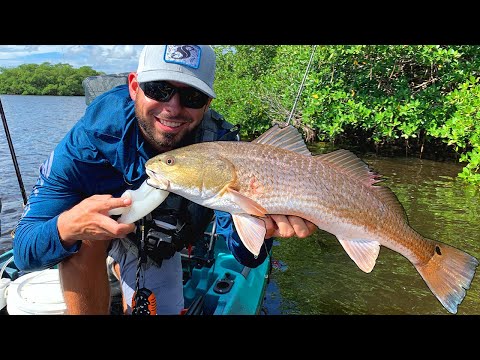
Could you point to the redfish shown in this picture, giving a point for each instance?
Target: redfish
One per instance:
(338, 192)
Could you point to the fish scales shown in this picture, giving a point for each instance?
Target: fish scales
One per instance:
(276, 174)
(319, 193)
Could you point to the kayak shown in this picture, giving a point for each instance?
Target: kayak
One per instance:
(214, 283)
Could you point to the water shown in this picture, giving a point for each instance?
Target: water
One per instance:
(36, 125)
(318, 277)
(309, 276)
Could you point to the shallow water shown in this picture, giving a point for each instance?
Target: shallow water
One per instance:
(318, 277)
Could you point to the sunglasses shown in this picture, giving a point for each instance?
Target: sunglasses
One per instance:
(163, 92)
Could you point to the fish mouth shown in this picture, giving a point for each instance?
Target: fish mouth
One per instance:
(156, 180)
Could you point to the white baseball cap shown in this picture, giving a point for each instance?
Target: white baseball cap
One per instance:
(193, 65)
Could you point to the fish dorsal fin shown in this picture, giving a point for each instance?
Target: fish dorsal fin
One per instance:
(353, 167)
(287, 138)
(363, 252)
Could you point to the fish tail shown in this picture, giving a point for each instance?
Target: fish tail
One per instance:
(448, 274)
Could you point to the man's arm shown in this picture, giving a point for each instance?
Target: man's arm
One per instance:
(59, 214)
(37, 244)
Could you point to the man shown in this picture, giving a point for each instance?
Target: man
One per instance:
(165, 105)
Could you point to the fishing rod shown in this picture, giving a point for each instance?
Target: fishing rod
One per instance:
(301, 86)
(12, 153)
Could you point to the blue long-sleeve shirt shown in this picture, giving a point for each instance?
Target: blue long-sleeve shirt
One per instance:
(104, 153)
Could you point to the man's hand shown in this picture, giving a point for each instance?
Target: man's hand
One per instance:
(288, 226)
(89, 220)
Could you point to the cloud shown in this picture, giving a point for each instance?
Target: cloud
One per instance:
(110, 59)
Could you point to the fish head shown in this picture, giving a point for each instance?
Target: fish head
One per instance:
(192, 171)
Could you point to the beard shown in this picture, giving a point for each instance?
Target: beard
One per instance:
(163, 141)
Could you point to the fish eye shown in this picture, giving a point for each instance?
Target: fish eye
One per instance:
(169, 160)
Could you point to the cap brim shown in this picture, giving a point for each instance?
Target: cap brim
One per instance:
(176, 76)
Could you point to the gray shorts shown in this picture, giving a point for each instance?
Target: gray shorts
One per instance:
(166, 282)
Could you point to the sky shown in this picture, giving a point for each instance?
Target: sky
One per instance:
(111, 59)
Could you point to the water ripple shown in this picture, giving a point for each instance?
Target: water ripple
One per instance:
(36, 124)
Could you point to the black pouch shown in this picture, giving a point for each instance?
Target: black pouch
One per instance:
(165, 236)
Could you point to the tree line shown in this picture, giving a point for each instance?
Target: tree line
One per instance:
(44, 79)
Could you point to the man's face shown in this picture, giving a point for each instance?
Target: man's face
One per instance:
(164, 124)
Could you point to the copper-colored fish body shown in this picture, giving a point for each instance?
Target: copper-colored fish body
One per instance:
(276, 174)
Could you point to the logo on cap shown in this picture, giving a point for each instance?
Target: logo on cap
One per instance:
(187, 55)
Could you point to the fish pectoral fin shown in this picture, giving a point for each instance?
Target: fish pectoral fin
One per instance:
(251, 231)
(248, 205)
(363, 252)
